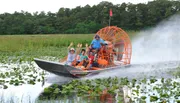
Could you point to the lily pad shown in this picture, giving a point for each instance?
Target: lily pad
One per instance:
(143, 97)
(153, 98)
(5, 86)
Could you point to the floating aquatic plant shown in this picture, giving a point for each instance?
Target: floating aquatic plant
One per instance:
(153, 80)
(143, 97)
(157, 90)
(163, 89)
(21, 73)
(5, 86)
(153, 98)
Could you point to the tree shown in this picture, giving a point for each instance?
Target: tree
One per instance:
(89, 19)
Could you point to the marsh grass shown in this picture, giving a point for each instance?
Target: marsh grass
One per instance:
(13, 43)
(16, 43)
(27, 47)
(31, 46)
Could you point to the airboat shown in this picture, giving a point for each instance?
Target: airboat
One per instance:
(116, 55)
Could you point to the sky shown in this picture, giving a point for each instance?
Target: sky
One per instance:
(31, 6)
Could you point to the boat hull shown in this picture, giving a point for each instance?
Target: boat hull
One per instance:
(68, 71)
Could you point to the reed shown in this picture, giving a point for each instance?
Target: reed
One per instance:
(43, 45)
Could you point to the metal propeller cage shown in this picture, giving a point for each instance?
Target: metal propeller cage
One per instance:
(121, 43)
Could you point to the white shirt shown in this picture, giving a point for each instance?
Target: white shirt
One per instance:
(71, 57)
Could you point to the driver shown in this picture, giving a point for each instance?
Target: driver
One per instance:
(96, 42)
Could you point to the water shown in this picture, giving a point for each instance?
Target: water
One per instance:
(24, 93)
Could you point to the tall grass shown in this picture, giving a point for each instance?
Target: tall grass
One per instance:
(39, 45)
(14, 43)
(43, 45)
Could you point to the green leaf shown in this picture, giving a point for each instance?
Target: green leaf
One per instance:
(5, 86)
(153, 98)
(143, 97)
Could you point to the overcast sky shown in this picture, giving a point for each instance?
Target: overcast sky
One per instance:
(11, 6)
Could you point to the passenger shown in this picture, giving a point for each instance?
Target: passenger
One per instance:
(82, 60)
(71, 55)
(92, 63)
(82, 56)
(85, 62)
(91, 60)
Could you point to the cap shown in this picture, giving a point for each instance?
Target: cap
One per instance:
(72, 49)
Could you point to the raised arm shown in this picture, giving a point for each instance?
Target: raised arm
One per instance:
(87, 49)
(71, 44)
(78, 48)
(65, 58)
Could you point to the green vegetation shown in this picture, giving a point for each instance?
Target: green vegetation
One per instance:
(25, 73)
(153, 98)
(176, 73)
(25, 48)
(86, 88)
(157, 91)
(34, 42)
(89, 19)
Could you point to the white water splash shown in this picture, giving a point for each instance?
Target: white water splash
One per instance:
(158, 44)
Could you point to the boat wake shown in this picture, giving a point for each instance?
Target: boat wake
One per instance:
(159, 70)
(155, 52)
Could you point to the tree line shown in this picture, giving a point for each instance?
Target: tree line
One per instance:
(89, 19)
